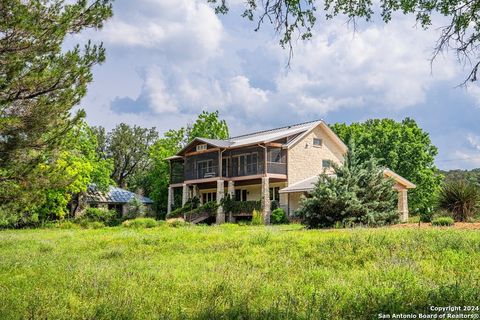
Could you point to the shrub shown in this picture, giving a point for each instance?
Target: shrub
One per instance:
(257, 218)
(179, 211)
(279, 216)
(177, 222)
(274, 205)
(140, 223)
(459, 197)
(135, 208)
(233, 206)
(358, 194)
(442, 222)
(107, 217)
(426, 216)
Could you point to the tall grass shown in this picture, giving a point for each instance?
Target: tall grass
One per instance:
(234, 272)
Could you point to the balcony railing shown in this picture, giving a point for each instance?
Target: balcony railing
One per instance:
(247, 170)
(202, 173)
(277, 167)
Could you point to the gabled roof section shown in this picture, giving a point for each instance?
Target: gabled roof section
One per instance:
(399, 179)
(327, 129)
(257, 137)
(113, 195)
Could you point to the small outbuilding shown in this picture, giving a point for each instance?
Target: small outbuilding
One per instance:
(114, 199)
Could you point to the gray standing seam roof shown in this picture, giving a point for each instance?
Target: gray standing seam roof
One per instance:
(258, 137)
(113, 195)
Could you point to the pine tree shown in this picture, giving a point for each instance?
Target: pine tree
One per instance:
(357, 193)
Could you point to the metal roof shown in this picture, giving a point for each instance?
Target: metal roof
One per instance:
(113, 195)
(308, 184)
(258, 137)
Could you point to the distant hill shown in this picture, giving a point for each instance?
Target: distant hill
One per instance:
(470, 175)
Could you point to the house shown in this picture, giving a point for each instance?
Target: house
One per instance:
(114, 199)
(279, 165)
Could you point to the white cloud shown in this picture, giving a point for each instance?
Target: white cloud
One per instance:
(179, 28)
(382, 65)
(158, 93)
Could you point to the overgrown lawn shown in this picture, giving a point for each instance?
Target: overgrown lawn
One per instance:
(235, 272)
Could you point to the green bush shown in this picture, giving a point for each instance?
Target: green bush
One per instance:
(257, 218)
(461, 198)
(140, 223)
(279, 216)
(442, 222)
(233, 206)
(108, 217)
(209, 207)
(179, 211)
(135, 208)
(274, 205)
(176, 222)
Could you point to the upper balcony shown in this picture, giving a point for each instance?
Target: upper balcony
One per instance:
(242, 162)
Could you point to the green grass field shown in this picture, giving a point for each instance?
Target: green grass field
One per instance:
(234, 272)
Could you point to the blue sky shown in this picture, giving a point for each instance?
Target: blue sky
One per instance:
(167, 60)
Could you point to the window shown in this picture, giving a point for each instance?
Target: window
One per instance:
(241, 195)
(275, 155)
(205, 169)
(317, 142)
(245, 164)
(326, 163)
(201, 147)
(274, 193)
(209, 196)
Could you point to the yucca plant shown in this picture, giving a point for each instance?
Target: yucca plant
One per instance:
(461, 198)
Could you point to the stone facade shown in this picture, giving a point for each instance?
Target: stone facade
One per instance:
(403, 205)
(305, 159)
(220, 194)
(266, 200)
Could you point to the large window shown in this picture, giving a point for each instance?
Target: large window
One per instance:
(274, 193)
(205, 169)
(209, 196)
(241, 195)
(245, 164)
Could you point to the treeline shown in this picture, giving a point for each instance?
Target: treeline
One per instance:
(130, 157)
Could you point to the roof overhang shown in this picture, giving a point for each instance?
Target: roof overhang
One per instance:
(327, 129)
(399, 179)
(308, 184)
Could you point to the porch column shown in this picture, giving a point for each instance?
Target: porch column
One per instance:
(231, 193)
(184, 194)
(195, 192)
(266, 200)
(169, 199)
(403, 205)
(220, 193)
(231, 189)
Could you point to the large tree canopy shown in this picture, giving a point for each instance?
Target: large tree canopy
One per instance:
(401, 146)
(292, 18)
(129, 149)
(40, 82)
(207, 125)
